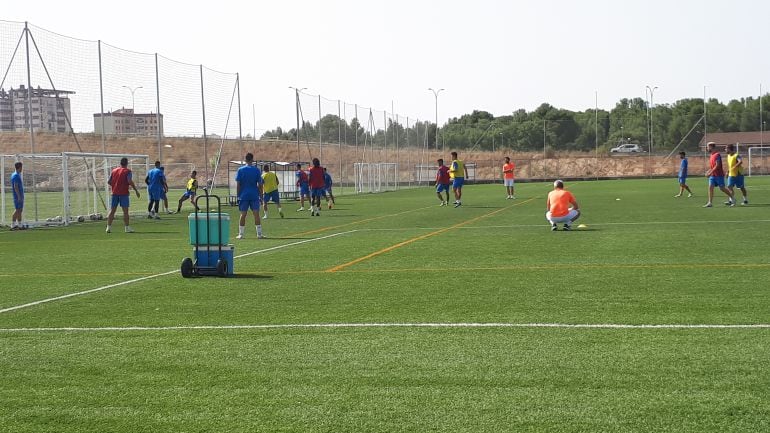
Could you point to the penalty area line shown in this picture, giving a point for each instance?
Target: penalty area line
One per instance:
(389, 325)
(162, 274)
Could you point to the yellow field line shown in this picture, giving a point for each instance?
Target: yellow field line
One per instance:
(421, 237)
(323, 229)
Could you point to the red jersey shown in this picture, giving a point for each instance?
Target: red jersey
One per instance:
(715, 161)
(442, 175)
(316, 175)
(119, 180)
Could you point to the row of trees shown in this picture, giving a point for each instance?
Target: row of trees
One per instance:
(630, 121)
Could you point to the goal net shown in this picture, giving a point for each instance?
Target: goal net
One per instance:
(375, 176)
(758, 160)
(64, 188)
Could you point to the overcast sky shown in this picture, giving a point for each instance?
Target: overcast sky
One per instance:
(489, 55)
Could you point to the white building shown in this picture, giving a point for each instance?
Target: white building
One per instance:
(125, 122)
(50, 110)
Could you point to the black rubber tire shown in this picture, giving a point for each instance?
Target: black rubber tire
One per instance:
(187, 268)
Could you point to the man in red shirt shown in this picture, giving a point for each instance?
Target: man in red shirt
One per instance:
(508, 176)
(561, 207)
(120, 179)
(317, 186)
(442, 182)
(716, 175)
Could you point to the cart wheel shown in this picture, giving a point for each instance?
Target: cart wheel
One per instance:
(187, 268)
(222, 267)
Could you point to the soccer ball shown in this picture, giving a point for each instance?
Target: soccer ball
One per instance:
(81, 218)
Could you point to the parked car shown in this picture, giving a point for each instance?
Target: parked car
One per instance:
(627, 148)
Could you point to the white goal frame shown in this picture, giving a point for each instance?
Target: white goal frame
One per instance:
(373, 177)
(761, 149)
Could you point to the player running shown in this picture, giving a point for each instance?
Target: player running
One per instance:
(735, 174)
(270, 188)
(302, 185)
(683, 176)
(191, 188)
(316, 181)
(442, 182)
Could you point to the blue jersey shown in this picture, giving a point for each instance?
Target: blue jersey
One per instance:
(155, 179)
(683, 168)
(302, 178)
(327, 180)
(249, 178)
(17, 183)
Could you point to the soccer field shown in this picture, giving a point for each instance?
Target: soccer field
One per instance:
(390, 313)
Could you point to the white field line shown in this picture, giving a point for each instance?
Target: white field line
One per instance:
(387, 325)
(590, 224)
(148, 277)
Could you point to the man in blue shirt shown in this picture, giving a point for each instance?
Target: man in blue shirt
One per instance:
(18, 197)
(303, 186)
(156, 181)
(249, 189)
(683, 176)
(328, 188)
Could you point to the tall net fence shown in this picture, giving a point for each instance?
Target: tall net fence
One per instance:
(90, 96)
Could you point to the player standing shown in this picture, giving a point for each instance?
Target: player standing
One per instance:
(457, 172)
(442, 182)
(735, 174)
(120, 179)
(154, 181)
(316, 181)
(304, 188)
(328, 188)
(508, 179)
(249, 190)
(18, 197)
(682, 175)
(270, 188)
(716, 175)
(191, 188)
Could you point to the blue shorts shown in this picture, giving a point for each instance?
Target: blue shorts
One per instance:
(272, 196)
(245, 205)
(458, 182)
(735, 181)
(716, 181)
(119, 200)
(18, 204)
(328, 190)
(442, 187)
(188, 194)
(304, 189)
(317, 192)
(163, 196)
(682, 180)
(156, 195)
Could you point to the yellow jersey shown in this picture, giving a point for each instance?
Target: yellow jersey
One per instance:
(270, 181)
(192, 185)
(457, 169)
(732, 161)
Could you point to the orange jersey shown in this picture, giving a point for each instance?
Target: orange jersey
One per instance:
(559, 202)
(508, 170)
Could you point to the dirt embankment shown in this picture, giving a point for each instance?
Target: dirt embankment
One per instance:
(340, 159)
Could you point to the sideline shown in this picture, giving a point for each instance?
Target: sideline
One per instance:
(390, 325)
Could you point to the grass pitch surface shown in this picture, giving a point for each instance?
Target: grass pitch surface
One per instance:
(433, 319)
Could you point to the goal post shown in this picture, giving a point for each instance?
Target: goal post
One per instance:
(373, 177)
(62, 188)
(758, 156)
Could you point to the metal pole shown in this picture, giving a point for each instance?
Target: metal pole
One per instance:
(240, 126)
(339, 136)
(435, 95)
(31, 126)
(296, 109)
(596, 132)
(319, 127)
(761, 121)
(101, 97)
(544, 155)
(205, 139)
(157, 109)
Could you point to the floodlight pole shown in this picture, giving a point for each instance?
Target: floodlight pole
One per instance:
(650, 102)
(133, 112)
(435, 95)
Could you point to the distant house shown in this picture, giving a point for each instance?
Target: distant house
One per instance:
(743, 139)
(50, 109)
(126, 122)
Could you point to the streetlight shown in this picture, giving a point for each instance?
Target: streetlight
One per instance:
(435, 95)
(296, 108)
(651, 91)
(133, 113)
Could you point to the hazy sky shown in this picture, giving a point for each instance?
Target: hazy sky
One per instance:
(489, 55)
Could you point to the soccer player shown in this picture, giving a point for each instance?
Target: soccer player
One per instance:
(18, 197)
(457, 172)
(304, 188)
(561, 207)
(154, 181)
(716, 175)
(328, 188)
(270, 188)
(508, 177)
(683, 176)
(120, 179)
(249, 189)
(191, 190)
(442, 182)
(735, 174)
(316, 181)
(163, 195)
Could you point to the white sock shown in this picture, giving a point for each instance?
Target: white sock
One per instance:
(259, 230)
(240, 230)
